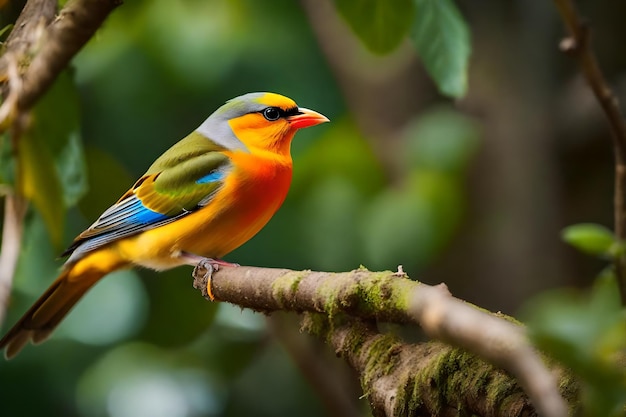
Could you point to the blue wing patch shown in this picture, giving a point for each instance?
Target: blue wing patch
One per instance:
(128, 217)
(145, 216)
(211, 177)
(130, 212)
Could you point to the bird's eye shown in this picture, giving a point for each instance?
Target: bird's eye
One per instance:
(271, 114)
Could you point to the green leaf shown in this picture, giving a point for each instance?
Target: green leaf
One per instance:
(72, 170)
(587, 333)
(56, 116)
(116, 310)
(108, 180)
(164, 327)
(6, 30)
(381, 24)
(410, 224)
(7, 162)
(331, 231)
(51, 162)
(133, 371)
(442, 40)
(342, 152)
(442, 139)
(39, 183)
(591, 238)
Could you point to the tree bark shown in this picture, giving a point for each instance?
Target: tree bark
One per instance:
(400, 378)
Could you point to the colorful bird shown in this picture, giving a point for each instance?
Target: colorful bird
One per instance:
(205, 196)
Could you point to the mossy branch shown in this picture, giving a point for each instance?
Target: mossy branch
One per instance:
(401, 378)
(433, 378)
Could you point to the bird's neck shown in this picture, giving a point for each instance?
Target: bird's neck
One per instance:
(280, 155)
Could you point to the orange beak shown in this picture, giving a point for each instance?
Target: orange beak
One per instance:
(306, 118)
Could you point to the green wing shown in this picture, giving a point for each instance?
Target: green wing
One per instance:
(182, 180)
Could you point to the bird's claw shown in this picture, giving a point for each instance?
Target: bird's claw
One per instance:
(203, 272)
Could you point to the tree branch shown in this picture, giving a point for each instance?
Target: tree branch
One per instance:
(61, 40)
(385, 296)
(431, 378)
(36, 13)
(578, 44)
(14, 211)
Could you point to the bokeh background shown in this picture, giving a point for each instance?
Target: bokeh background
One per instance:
(473, 193)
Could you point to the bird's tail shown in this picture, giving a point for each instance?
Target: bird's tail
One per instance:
(45, 315)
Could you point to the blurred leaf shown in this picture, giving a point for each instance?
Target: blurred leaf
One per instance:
(7, 162)
(56, 115)
(591, 238)
(50, 158)
(397, 230)
(233, 341)
(112, 311)
(342, 152)
(108, 180)
(142, 380)
(262, 400)
(445, 198)
(587, 333)
(37, 266)
(329, 218)
(381, 24)
(410, 225)
(177, 315)
(210, 30)
(40, 184)
(72, 169)
(442, 40)
(442, 139)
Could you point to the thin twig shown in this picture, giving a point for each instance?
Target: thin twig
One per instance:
(8, 109)
(578, 44)
(388, 297)
(14, 210)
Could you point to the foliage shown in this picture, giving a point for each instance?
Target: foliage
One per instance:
(587, 333)
(436, 27)
(142, 344)
(380, 24)
(51, 169)
(442, 40)
(593, 239)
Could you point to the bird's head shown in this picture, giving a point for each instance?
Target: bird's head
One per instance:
(265, 121)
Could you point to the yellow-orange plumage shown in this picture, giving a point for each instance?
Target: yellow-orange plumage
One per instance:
(204, 197)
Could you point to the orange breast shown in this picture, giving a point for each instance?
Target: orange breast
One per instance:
(250, 196)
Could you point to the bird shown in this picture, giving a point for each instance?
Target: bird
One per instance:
(205, 196)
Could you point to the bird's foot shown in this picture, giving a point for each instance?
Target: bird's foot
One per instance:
(203, 272)
(221, 262)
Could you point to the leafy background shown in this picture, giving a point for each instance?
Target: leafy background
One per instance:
(461, 171)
